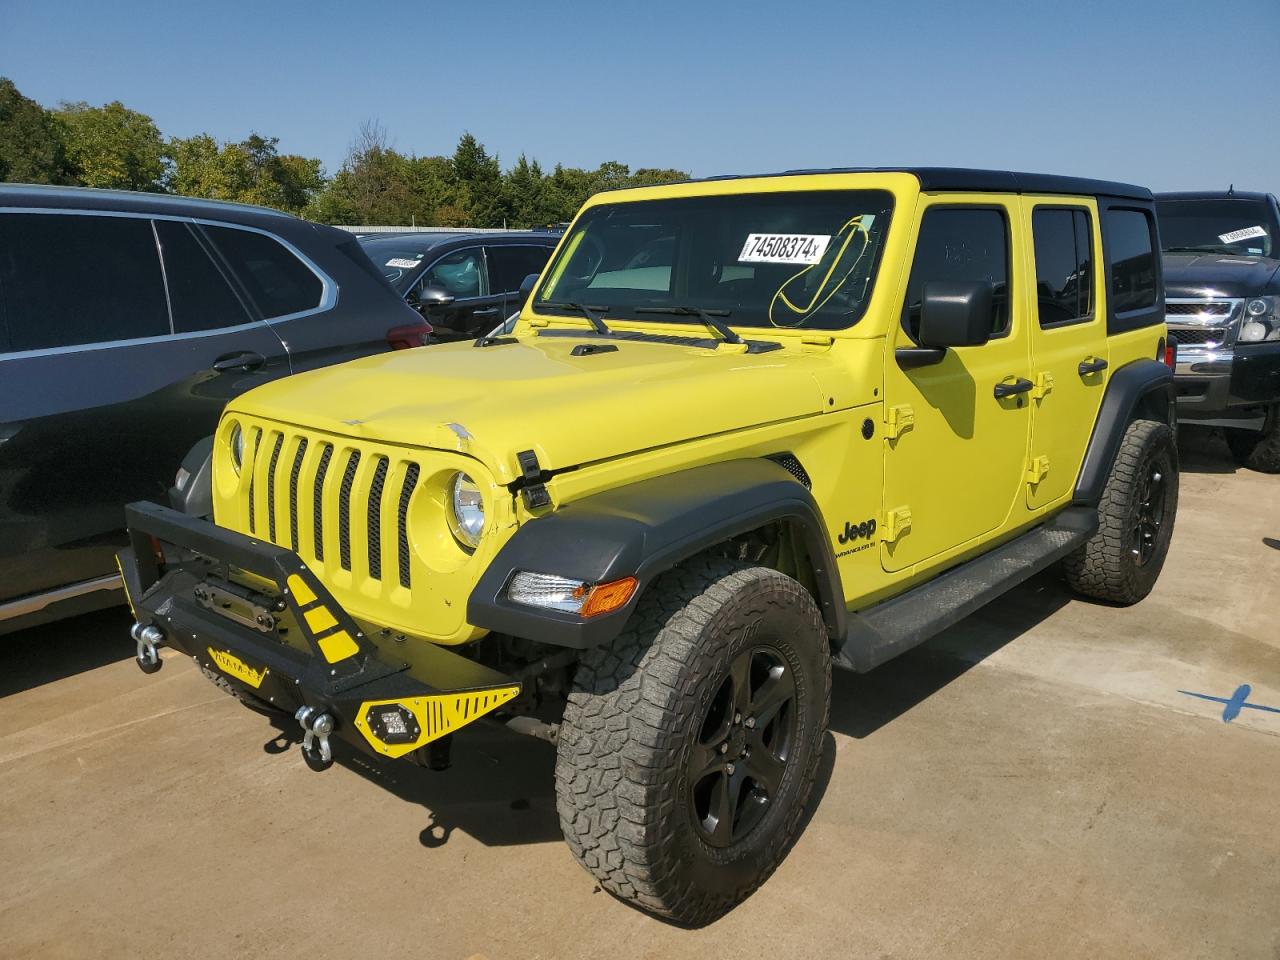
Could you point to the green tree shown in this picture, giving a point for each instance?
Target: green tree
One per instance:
(250, 171)
(376, 185)
(32, 145)
(480, 178)
(113, 146)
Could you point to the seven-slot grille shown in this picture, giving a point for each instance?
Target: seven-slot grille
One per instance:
(282, 460)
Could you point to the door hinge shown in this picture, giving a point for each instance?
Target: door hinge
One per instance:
(1037, 469)
(896, 522)
(1043, 386)
(899, 420)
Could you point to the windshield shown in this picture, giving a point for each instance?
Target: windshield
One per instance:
(398, 258)
(1245, 227)
(792, 259)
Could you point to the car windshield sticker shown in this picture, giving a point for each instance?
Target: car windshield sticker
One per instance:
(402, 263)
(1248, 233)
(805, 248)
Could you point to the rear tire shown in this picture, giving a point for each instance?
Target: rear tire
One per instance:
(690, 744)
(1120, 563)
(1257, 450)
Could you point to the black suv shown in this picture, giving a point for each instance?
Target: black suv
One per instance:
(465, 284)
(1222, 295)
(126, 323)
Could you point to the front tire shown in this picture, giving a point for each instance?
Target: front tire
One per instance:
(690, 744)
(1257, 450)
(1120, 563)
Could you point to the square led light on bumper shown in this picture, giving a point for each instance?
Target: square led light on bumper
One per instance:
(551, 592)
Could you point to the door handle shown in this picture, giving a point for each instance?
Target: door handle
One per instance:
(486, 312)
(243, 360)
(1091, 365)
(1019, 385)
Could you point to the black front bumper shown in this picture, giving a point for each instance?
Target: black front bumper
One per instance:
(253, 612)
(1239, 386)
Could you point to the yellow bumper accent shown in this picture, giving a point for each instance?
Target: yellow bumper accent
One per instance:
(302, 594)
(231, 664)
(319, 619)
(338, 646)
(436, 715)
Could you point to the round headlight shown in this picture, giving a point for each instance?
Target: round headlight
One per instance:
(237, 446)
(1256, 308)
(466, 518)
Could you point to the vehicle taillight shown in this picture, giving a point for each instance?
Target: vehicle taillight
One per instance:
(409, 335)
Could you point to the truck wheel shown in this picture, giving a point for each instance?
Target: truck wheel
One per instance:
(1257, 450)
(690, 743)
(1120, 563)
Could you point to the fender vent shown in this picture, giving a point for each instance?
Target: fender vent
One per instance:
(793, 466)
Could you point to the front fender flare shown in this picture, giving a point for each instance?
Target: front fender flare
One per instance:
(643, 529)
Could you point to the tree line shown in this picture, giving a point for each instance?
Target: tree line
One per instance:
(112, 146)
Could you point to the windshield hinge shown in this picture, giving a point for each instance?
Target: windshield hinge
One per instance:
(533, 489)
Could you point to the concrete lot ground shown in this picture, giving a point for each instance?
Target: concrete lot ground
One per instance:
(1030, 784)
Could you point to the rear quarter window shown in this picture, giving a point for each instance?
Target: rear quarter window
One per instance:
(277, 281)
(1131, 255)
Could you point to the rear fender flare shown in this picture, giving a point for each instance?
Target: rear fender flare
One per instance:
(644, 529)
(1141, 390)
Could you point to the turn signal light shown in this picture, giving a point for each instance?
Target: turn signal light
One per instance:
(1171, 355)
(607, 597)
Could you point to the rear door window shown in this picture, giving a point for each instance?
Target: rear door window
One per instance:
(67, 280)
(510, 264)
(278, 282)
(1131, 254)
(1064, 265)
(200, 295)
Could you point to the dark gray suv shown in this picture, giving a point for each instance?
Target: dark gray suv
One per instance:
(465, 284)
(126, 322)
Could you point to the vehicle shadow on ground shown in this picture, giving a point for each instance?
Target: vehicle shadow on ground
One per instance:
(500, 789)
(863, 703)
(1204, 450)
(35, 656)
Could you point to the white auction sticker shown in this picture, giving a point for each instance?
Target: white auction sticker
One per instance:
(402, 263)
(1248, 233)
(784, 248)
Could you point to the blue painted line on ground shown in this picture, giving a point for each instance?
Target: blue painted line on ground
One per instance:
(1233, 704)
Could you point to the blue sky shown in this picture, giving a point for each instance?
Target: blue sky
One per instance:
(1172, 94)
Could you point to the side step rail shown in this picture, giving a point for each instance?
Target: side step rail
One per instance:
(888, 629)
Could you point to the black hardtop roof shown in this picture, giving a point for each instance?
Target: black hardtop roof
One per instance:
(1213, 195)
(128, 201)
(962, 179)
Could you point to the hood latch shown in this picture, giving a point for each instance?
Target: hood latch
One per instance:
(533, 490)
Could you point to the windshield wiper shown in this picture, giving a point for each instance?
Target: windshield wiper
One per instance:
(587, 311)
(706, 316)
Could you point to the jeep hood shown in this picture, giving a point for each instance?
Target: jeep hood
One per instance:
(1197, 275)
(534, 394)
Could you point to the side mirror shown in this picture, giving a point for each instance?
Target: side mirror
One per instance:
(526, 288)
(956, 313)
(435, 297)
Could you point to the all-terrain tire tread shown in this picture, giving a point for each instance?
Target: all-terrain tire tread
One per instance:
(619, 742)
(1103, 567)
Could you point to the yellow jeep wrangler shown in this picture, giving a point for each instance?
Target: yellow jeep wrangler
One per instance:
(742, 430)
